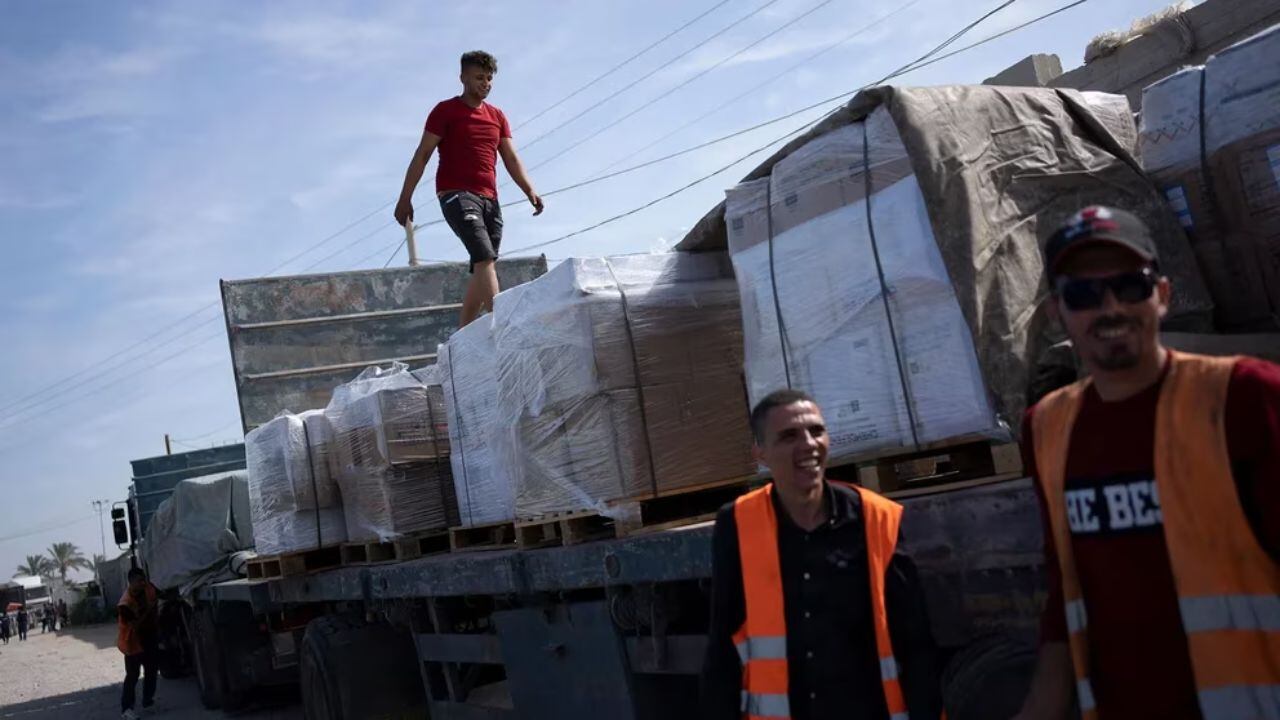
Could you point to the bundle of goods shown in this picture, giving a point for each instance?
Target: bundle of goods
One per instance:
(889, 261)
(466, 371)
(390, 451)
(619, 378)
(293, 496)
(196, 529)
(1210, 137)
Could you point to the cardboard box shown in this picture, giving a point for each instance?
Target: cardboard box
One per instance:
(386, 503)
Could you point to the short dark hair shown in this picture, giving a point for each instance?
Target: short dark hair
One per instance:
(480, 59)
(136, 573)
(777, 398)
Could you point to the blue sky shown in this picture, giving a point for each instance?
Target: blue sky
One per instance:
(150, 149)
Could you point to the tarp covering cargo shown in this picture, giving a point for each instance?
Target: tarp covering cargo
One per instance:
(293, 496)
(998, 169)
(620, 378)
(467, 372)
(203, 522)
(391, 447)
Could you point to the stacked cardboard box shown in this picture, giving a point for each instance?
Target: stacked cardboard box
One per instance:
(390, 452)
(466, 372)
(619, 378)
(293, 495)
(1210, 138)
(816, 315)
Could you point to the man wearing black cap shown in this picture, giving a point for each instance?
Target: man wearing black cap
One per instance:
(1159, 485)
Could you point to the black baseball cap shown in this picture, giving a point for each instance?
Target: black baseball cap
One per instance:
(1099, 224)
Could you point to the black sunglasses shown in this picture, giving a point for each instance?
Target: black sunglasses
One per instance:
(1089, 293)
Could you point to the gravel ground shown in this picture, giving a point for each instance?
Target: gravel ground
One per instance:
(76, 674)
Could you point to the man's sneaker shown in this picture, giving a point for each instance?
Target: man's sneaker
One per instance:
(129, 715)
(148, 703)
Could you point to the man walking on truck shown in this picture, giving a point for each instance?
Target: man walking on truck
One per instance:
(815, 612)
(470, 134)
(1159, 485)
(137, 637)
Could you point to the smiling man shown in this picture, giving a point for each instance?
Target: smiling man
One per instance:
(815, 613)
(471, 135)
(1159, 482)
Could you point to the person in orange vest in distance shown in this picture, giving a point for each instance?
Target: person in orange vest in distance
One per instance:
(815, 611)
(1159, 485)
(136, 637)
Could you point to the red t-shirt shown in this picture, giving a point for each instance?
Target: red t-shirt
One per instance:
(468, 146)
(1139, 662)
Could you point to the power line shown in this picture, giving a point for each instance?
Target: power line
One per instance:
(923, 61)
(47, 527)
(662, 96)
(790, 68)
(919, 62)
(620, 65)
(651, 73)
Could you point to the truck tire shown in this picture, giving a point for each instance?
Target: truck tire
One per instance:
(352, 669)
(205, 656)
(988, 678)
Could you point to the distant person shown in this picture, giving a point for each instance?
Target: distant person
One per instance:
(1157, 481)
(470, 134)
(137, 637)
(44, 620)
(4, 627)
(24, 620)
(815, 611)
(63, 615)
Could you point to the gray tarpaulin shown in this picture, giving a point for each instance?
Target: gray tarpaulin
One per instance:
(197, 528)
(999, 169)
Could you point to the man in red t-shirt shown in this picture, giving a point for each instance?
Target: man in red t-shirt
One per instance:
(470, 134)
(1109, 296)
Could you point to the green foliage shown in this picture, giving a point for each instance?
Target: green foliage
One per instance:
(36, 566)
(65, 556)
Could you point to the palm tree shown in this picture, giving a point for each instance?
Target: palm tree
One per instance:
(35, 566)
(66, 556)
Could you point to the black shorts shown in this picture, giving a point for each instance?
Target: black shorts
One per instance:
(476, 220)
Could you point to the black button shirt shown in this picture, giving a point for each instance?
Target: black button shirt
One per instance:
(833, 663)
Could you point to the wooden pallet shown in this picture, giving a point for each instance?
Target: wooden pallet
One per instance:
(299, 563)
(626, 518)
(934, 467)
(487, 536)
(405, 548)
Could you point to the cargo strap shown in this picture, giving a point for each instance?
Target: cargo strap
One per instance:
(311, 473)
(457, 411)
(884, 286)
(635, 366)
(773, 281)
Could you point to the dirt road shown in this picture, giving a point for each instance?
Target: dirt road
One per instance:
(76, 675)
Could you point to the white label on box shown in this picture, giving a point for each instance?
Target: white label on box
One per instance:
(1273, 154)
(1176, 196)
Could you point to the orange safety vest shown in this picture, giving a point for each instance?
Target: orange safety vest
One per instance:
(127, 638)
(1228, 586)
(762, 639)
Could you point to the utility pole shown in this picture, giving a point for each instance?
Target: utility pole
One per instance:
(99, 505)
(167, 449)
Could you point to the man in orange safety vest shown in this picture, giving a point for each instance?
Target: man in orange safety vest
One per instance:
(136, 637)
(1159, 484)
(816, 613)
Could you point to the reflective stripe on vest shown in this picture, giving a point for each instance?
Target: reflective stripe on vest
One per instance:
(1228, 586)
(762, 640)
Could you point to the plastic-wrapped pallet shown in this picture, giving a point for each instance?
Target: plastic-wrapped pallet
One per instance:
(835, 340)
(384, 423)
(293, 499)
(606, 366)
(1172, 153)
(1242, 143)
(466, 370)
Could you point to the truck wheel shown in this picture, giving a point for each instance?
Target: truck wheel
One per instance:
(988, 678)
(205, 655)
(352, 669)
